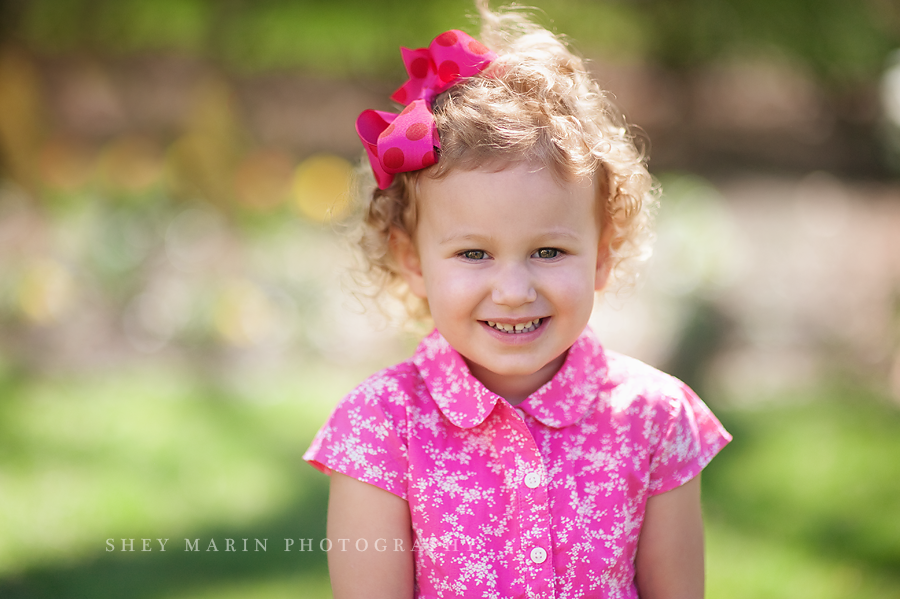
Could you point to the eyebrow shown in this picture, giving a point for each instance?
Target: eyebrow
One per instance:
(462, 237)
(475, 238)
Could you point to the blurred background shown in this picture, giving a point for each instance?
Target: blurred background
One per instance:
(175, 320)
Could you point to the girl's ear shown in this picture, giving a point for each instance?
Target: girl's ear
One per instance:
(404, 251)
(604, 256)
(607, 230)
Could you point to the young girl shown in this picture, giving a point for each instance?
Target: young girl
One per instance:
(512, 455)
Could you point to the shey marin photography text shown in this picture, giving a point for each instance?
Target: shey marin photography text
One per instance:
(262, 545)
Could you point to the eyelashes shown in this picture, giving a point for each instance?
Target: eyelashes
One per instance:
(547, 253)
(474, 255)
(542, 254)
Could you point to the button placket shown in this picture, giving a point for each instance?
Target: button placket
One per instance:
(535, 516)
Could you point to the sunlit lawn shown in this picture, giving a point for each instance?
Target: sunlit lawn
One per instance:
(804, 503)
(161, 455)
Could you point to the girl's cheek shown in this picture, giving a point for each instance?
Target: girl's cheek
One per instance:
(573, 279)
(461, 282)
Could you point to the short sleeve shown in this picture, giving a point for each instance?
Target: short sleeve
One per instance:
(366, 438)
(690, 438)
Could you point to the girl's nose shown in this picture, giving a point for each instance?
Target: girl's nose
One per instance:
(513, 287)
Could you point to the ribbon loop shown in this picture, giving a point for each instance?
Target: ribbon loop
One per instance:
(400, 143)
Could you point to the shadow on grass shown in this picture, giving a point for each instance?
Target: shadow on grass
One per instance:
(140, 575)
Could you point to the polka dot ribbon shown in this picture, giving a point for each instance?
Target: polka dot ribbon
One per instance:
(400, 143)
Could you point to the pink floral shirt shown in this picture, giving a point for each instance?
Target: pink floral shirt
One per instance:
(542, 500)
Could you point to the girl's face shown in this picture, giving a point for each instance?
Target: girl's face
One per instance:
(509, 261)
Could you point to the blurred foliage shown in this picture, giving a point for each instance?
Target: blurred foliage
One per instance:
(840, 40)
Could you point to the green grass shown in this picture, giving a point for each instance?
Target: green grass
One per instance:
(806, 500)
(743, 565)
(161, 455)
(804, 503)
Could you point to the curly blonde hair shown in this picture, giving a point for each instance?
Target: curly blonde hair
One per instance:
(535, 102)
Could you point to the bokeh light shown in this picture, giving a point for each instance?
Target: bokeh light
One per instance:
(132, 164)
(262, 181)
(45, 291)
(321, 187)
(66, 164)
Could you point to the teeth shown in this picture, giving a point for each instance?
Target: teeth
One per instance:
(524, 327)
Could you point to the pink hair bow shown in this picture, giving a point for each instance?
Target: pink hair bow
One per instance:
(399, 143)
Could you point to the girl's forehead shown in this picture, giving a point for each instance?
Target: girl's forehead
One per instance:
(499, 167)
(505, 188)
(503, 173)
(519, 197)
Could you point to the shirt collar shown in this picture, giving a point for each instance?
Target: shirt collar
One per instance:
(466, 402)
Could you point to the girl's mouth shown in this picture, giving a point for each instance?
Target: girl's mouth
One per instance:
(515, 329)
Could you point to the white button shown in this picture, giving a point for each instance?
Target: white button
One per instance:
(532, 480)
(521, 412)
(538, 555)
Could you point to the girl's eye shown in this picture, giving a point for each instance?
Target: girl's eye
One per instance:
(547, 253)
(474, 255)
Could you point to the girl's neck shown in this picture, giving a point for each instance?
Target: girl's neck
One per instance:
(516, 388)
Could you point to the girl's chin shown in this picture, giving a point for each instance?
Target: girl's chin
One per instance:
(526, 376)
